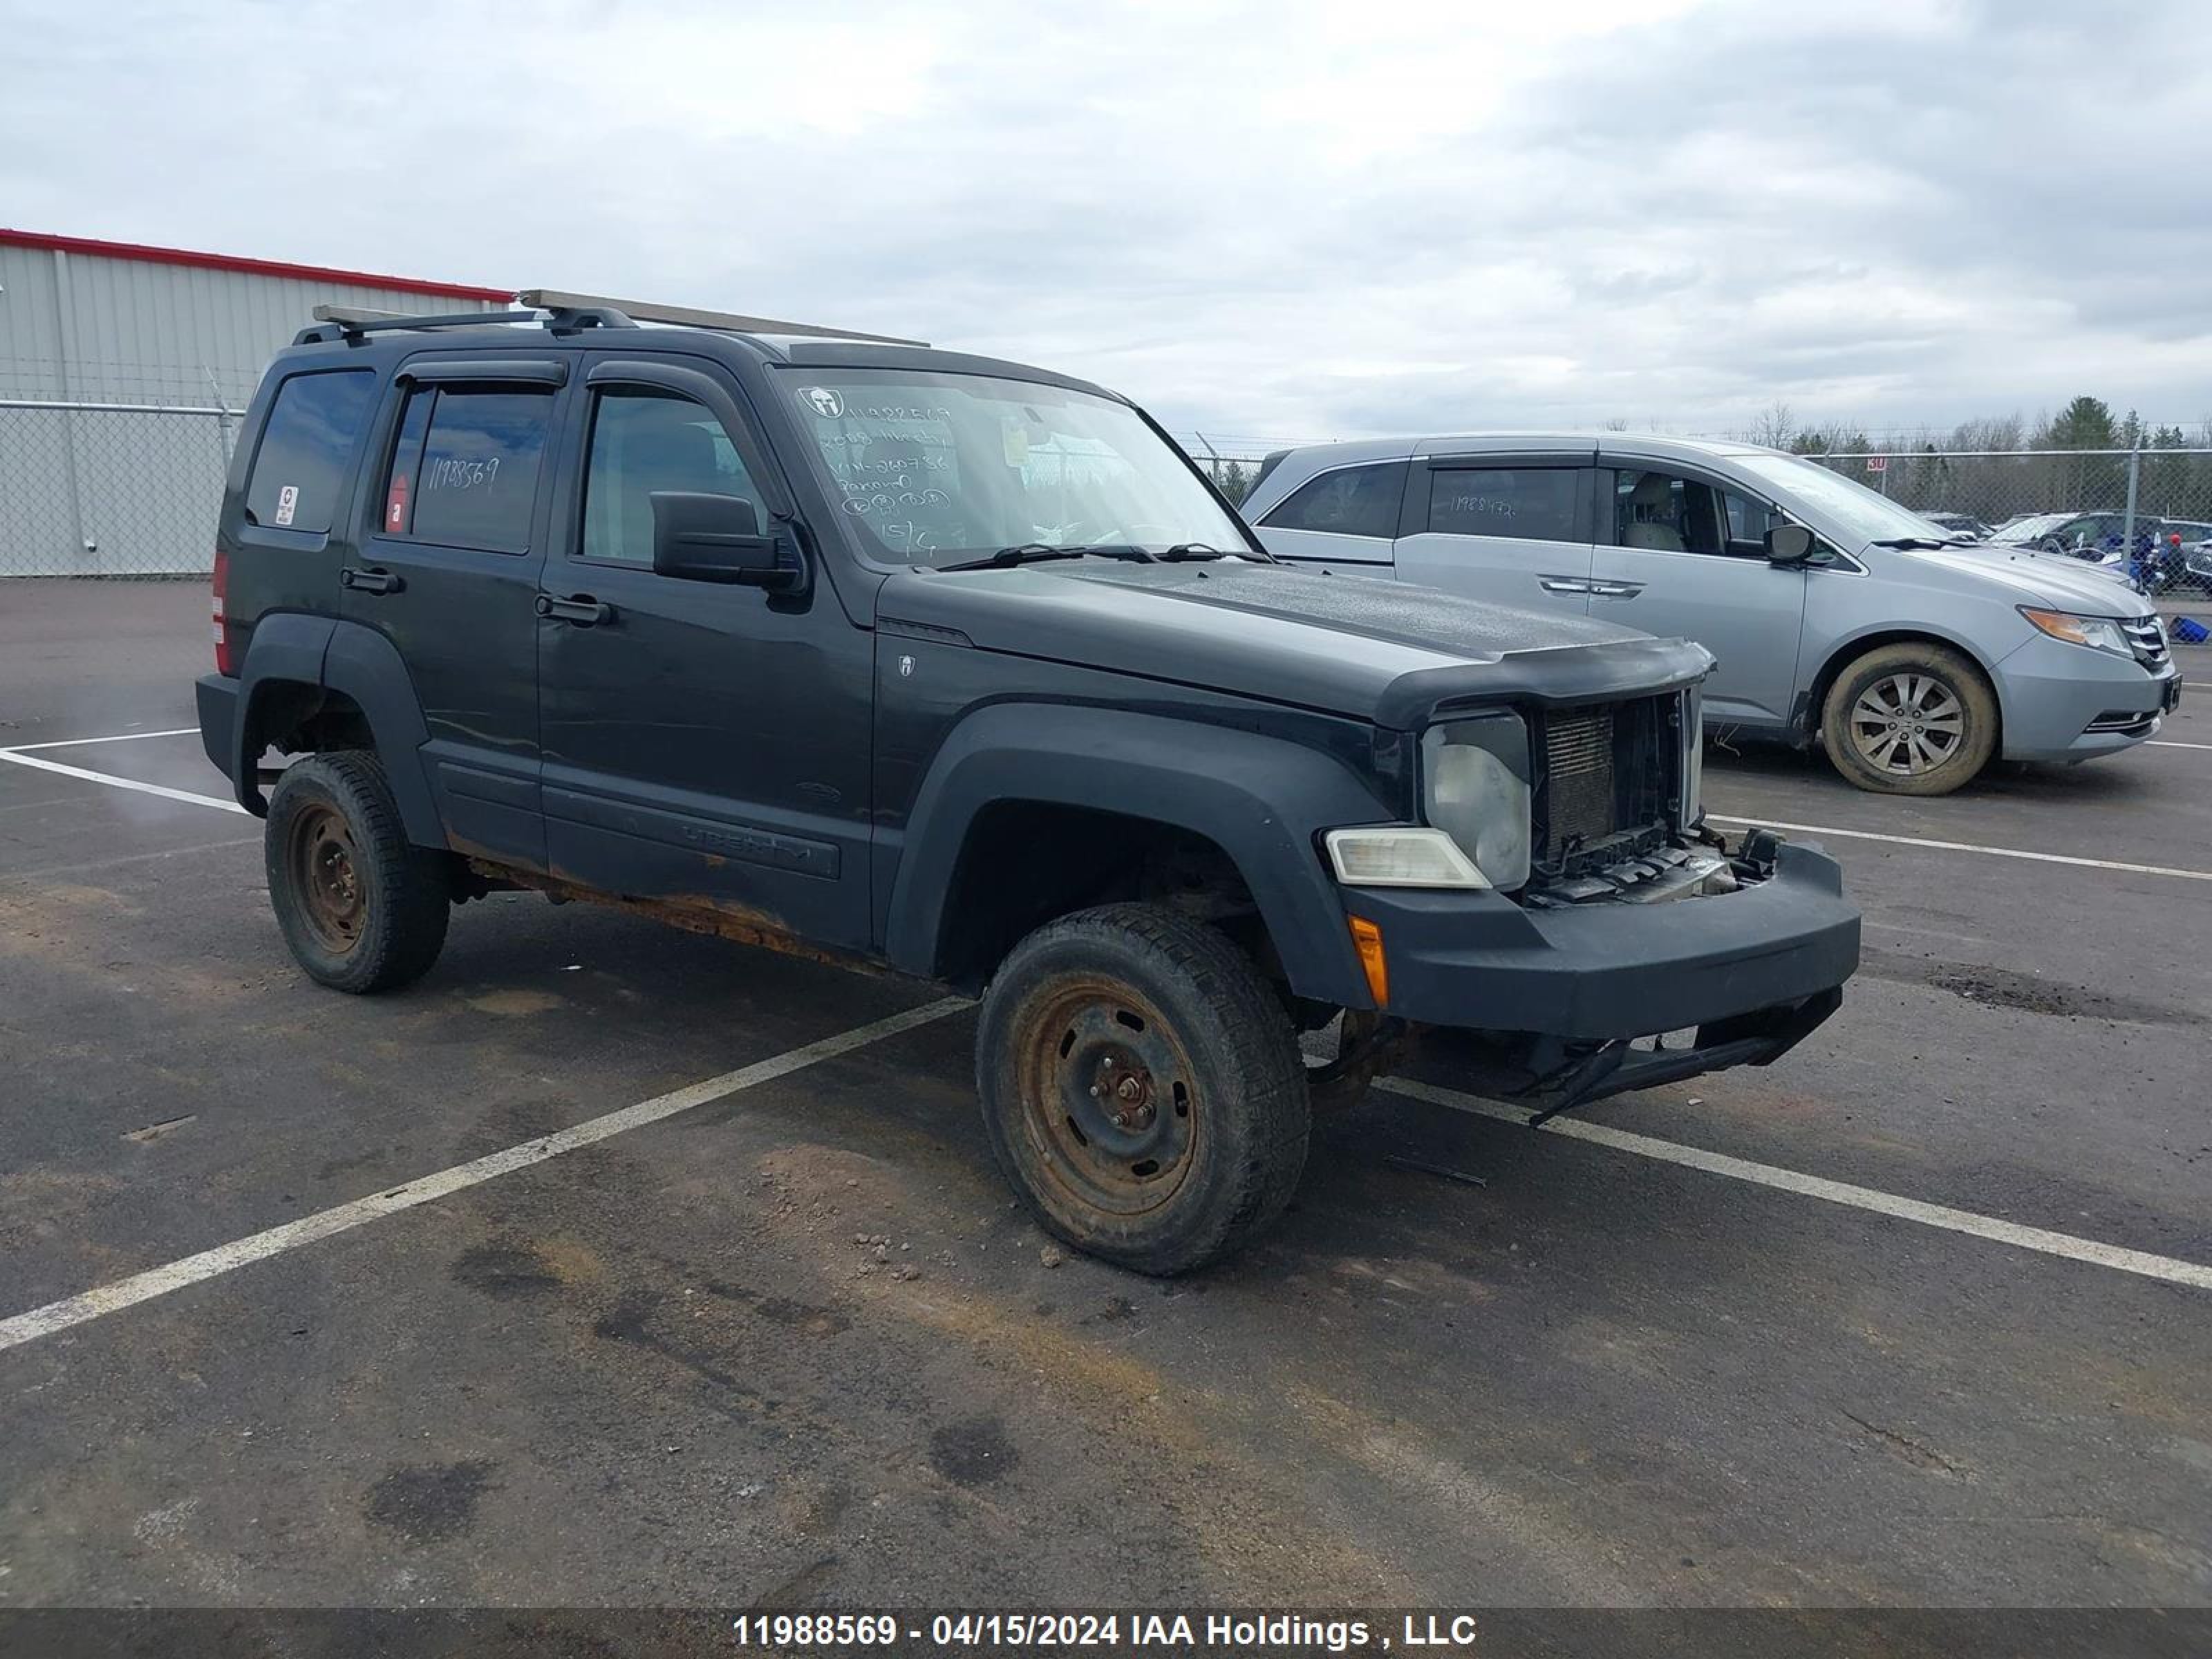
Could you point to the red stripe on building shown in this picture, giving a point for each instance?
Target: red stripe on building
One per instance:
(178, 256)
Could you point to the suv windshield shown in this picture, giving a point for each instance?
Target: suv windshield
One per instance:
(933, 467)
(1859, 514)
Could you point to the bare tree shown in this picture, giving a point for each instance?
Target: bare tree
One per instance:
(1775, 428)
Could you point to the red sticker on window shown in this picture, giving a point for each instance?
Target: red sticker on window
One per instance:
(395, 505)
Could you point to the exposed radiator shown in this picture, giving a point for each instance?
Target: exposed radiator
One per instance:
(1606, 775)
(1578, 756)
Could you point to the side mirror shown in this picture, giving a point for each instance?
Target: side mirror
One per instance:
(1789, 543)
(715, 538)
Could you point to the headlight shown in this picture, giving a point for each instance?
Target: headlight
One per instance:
(2098, 633)
(1693, 756)
(1398, 855)
(1475, 783)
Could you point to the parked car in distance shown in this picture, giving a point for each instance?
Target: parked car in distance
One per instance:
(1910, 657)
(2084, 534)
(2189, 551)
(927, 662)
(2053, 532)
(1961, 524)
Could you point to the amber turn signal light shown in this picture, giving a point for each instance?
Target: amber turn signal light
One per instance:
(1367, 939)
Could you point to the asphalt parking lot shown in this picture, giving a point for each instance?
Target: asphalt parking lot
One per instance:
(786, 1341)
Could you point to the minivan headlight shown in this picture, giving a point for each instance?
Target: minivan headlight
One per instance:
(2099, 633)
(1474, 787)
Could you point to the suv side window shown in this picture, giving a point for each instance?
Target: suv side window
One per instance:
(465, 470)
(643, 441)
(1661, 513)
(1352, 500)
(312, 428)
(1524, 503)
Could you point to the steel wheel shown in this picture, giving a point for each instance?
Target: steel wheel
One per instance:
(324, 872)
(1141, 1086)
(1109, 1091)
(1908, 723)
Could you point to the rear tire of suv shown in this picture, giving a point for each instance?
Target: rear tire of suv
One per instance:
(1912, 718)
(1142, 1087)
(361, 907)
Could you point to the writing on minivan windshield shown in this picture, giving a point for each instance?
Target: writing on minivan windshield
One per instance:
(931, 468)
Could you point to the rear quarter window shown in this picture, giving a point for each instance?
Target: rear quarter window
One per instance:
(309, 437)
(1351, 500)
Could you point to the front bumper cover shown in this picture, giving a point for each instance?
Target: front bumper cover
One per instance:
(1602, 972)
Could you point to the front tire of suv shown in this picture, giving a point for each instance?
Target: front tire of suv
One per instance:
(1142, 1088)
(1911, 719)
(363, 908)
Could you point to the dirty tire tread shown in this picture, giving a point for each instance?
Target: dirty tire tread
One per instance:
(410, 893)
(1255, 1087)
(1965, 680)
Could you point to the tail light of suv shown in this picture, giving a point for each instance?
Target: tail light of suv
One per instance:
(226, 648)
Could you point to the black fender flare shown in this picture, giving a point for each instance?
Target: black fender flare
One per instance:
(291, 648)
(1262, 799)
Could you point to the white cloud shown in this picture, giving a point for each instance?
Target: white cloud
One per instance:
(1260, 220)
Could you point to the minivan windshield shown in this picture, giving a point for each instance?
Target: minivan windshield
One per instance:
(1859, 514)
(933, 467)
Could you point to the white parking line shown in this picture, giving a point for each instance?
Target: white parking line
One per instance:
(2168, 742)
(118, 737)
(17, 757)
(2173, 1270)
(259, 1247)
(1971, 847)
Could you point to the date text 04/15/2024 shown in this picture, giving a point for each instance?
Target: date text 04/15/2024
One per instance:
(1242, 1631)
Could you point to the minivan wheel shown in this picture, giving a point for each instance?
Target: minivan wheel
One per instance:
(1911, 719)
(361, 908)
(1142, 1087)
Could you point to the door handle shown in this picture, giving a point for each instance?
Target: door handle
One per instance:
(370, 581)
(581, 608)
(1604, 589)
(1563, 584)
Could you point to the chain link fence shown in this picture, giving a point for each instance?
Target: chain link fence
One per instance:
(111, 490)
(1234, 475)
(2150, 509)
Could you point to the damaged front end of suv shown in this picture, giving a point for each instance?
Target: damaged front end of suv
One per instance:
(1561, 901)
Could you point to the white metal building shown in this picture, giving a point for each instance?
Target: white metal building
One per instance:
(122, 372)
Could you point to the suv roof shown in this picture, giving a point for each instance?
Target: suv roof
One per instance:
(553, 317)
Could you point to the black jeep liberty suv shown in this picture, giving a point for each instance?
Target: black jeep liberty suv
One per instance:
(843, 644)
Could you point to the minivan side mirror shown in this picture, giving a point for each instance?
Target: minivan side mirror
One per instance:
(1789, 543)
(714, 538)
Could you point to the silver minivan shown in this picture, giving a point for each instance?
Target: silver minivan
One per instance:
(1912, 654)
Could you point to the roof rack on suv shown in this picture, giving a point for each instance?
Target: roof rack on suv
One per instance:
(345, 322)
(644, 310)
(570, 311)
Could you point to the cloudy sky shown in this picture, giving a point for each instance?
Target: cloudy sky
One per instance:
(1275, 220)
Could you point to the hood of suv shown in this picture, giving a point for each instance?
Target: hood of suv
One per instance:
(2054, 580)
(1339, 643)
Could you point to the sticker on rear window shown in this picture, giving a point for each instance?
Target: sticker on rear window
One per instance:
(823, 400)
(287, 503)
